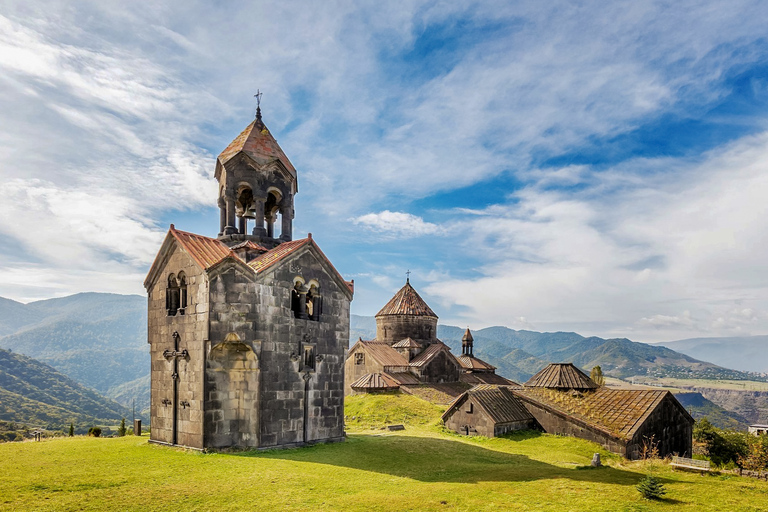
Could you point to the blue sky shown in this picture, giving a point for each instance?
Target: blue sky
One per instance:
(591, 166)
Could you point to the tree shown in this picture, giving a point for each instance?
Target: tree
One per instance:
(651, 488)
(723, 446)
(597, 376)
(71, 430)
(121, 431)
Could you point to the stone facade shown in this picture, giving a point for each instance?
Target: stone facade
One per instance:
(247, 333)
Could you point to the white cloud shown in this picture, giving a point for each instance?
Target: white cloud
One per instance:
(397, 224)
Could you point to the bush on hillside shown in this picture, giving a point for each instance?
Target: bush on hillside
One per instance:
(723, 446)
(756, 457)
(121, 430)
(94, 431)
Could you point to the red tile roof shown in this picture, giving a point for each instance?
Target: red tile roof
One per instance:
(561, 376)
(257, 142)
(266, 260)
(205, 251)
(371, 381)
(407, 302)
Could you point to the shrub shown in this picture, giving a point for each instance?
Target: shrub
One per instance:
(723, 446)
(121, 431)
(651, 488)
(597, 376)
(94, 431)
(756, 457)
(71, 430)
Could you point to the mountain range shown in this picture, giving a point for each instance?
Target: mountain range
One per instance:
(99, 341)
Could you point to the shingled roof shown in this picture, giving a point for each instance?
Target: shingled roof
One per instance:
(257, 142)
(383, 353)
(473, 363)
(428, 353)
(406, 343)
(561, 376)
(373, 381)
(407, 302)
(620, 412)
(497, 401)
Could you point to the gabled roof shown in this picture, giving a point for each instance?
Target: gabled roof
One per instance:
(485, 378)
(429, 353)
(383, 353)
(473, 363)
(209, 252)
(375, 381)
(257, 142)
(497, 401)
(561, 376)
(407, 302)
(406, 343)
(620, 412)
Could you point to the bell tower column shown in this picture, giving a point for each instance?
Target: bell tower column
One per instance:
(222, 216)
(286, 214)
(230, 229)
(258, 228)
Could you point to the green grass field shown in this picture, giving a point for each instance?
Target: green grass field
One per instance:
(421, 468)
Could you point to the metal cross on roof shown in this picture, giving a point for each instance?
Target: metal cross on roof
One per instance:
(258, 103)
(408, 276)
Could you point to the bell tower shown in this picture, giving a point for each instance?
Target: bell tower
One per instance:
(257, 183)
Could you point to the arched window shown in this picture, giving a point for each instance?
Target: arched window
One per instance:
(182, 293)
(172, 295)
(314, 302)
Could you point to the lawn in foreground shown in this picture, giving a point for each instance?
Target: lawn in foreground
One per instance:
(419, 469)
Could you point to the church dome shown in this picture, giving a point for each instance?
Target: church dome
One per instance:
(407, 302)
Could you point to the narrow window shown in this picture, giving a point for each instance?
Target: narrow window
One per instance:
(182, 293)
(359, 358)
(471, 408)
(309, 358)
(172, 296)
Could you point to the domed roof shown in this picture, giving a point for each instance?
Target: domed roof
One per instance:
(407, 302)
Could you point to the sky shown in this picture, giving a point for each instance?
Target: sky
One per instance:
(598, 167)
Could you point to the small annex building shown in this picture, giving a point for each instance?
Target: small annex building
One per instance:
(488, 410)
(406, 351)
(247, 330)
(564, 400)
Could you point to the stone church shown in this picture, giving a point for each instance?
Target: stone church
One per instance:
(407, 352)
(247, 330)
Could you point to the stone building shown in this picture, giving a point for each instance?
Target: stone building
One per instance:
(407, 352)
(247, 331)
(564, 400)
(489, 411)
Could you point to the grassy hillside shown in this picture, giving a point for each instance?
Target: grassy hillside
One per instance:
(98, 339)
(419, 469)
(34, 394)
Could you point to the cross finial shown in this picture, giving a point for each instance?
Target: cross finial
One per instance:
(408, 276)
(258, 96)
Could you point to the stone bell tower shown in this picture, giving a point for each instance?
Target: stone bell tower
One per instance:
(257, 183)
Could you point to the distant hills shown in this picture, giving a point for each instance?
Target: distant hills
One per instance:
(749, 353)
(36, 395)
(519, 354)
(97, 339)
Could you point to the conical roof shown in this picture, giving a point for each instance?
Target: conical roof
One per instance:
(257, 142)
(467, 336)
(407, 302)
(561, 376)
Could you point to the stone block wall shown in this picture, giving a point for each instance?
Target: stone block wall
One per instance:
(442, 368)
(471, 419)
(353, 371)
(393, 328)
(670, 428)
(192, 329)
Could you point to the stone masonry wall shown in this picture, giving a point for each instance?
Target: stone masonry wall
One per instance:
(259, 312)
(192, 327)
(353, 371)
(393, 328)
